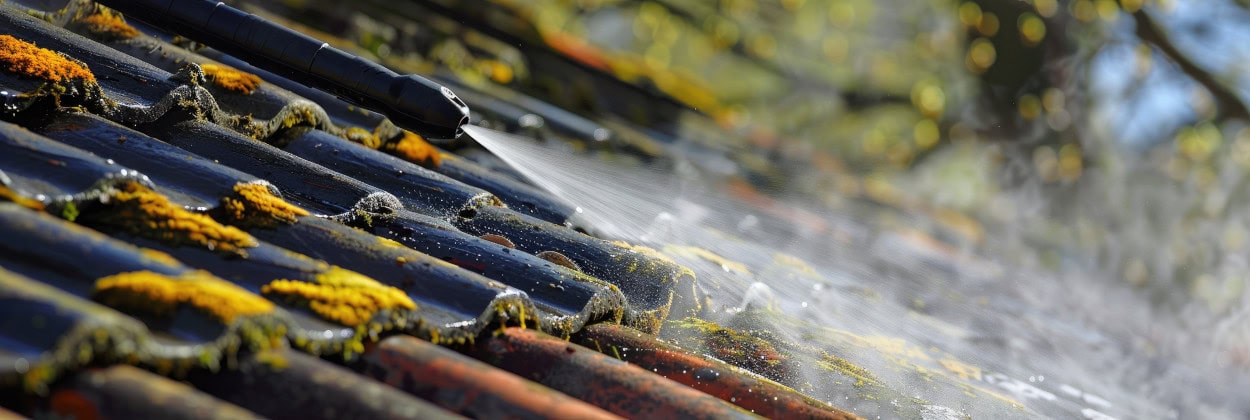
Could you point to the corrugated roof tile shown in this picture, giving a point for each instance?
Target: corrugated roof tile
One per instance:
(722, 380)
(127, 392)
(467, 386)
(189, 216)
(599, 379)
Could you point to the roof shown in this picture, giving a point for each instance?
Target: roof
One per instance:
(186, 234)
(182, 228)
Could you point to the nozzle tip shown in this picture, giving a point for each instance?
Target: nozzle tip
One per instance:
(427, 108)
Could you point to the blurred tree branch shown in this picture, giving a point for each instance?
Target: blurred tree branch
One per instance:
(1228, 103)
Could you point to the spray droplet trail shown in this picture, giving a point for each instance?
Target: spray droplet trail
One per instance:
(620, 202)
(844, 283)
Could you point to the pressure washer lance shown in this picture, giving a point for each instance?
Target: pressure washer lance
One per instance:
(410, 101)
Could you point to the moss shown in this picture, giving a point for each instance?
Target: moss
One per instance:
(734, 347)
(231, 79)
(24, 58)
(254, 205)
(107, 25)
(343, 296)
(161, 294)
(140, 211)
(70, 212)
(415, 149)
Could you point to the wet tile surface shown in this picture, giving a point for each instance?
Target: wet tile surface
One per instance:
(183, 238)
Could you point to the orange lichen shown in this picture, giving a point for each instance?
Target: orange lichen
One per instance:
(7, 194)
(24, 58)
(413, 148)
(108, 26)
(343, 296)
(162, 294)
(230, 78)
(253, 205)
(140, 211)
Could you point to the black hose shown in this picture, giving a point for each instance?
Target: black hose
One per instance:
(410, 101)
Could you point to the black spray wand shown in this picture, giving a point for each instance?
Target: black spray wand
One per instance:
(410, 101)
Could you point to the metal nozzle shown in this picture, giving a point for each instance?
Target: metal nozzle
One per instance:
(410, 101)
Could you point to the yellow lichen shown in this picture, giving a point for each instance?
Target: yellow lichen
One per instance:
(657, 260)
(343, 296)
(837, 364)
(362, 136)
(162, 294)
(253, 205)
(230, 78)
(158, 257)
(712, 257)
(108, 25)
(961, 369)
(414, 148)
(141, 211)
(300, 115)
(7, 194)
(796, 264)
(645, 250)
(276, 360)
(24, 58)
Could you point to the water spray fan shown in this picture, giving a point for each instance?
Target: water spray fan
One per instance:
(410, 101)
